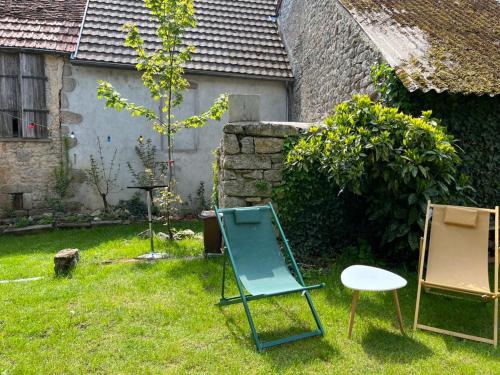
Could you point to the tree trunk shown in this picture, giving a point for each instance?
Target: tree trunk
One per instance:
(105, 202)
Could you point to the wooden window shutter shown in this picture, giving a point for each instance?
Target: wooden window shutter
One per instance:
(9, 95)
(34, 124)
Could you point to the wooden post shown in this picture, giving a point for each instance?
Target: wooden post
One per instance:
(355, 298)
(495, 289)
(421, 264)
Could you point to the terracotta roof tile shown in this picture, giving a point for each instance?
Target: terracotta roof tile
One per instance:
(232, 36)
(436, 45)
(43, 24)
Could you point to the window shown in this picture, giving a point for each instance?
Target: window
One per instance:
(17, 201)
(23, 112)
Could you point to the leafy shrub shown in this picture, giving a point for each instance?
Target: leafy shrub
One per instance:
(201, 199)
(46, 220)
(473, 120)
(152, 172)
(22, 222)
(55, 204)
(389, 162)
(214, 198)
(62, 173)
(134, 205)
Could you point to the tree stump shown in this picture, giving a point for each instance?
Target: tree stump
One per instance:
(65, 260)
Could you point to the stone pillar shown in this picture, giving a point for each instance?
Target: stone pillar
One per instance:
(243, 108)
(251, 161)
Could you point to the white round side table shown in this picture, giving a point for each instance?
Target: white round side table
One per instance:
(373, 279)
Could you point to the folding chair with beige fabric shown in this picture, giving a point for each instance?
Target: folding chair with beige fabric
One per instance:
(457, 258)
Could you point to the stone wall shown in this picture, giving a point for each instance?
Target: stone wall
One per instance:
(251, 161)
(330, 55)
(27, 165)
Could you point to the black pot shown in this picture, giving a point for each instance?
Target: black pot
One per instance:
(212, 236)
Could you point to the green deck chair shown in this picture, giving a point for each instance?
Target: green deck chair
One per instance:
(258, 264)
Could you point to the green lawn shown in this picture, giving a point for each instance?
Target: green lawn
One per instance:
(162, 317)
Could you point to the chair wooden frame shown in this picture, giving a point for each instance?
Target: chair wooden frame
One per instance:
(485, 295)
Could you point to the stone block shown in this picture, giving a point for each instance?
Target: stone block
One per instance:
(230, 144)
(244, 108)
(27, 201)
(68, 117)
(246, 161)
(5, 203)
(247, 145)
(228, 174)
(267, 129)
(67, 70)
(69, 84)
(256, 175)
(273, 175)
(233, 129)
(23, 156)
(65, 260)
(253, 200)
(64, 101)
(226, 201)
(72, 143)
(246, 188)
(15, 188)
(268, 145)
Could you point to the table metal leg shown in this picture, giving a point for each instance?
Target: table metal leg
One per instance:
(398, 310)
(149, 198)
(355, 298)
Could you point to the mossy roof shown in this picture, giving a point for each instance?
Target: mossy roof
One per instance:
(441, 45)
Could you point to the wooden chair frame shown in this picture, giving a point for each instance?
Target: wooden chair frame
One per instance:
(491, 295)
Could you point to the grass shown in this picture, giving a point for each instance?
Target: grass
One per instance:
(162, 317)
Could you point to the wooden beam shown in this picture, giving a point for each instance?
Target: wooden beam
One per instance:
(456, 334)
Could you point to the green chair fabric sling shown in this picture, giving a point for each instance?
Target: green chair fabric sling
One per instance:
(258, 264)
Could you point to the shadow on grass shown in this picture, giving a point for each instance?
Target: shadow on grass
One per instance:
(465, 315)
(386, 346)
(285, 355)
(372, 304)
(144, 266)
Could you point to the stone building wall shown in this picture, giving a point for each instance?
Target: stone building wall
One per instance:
(251, 161)
(330, 55)
(27, 165)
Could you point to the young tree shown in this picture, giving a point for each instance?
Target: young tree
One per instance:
(163, 75)
(101, 177)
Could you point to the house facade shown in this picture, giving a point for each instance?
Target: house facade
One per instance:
(36, 39)
(238, 50)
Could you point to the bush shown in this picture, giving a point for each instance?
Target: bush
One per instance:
(381, 163)
(135, 206)
(22, 222)
(473, 120)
